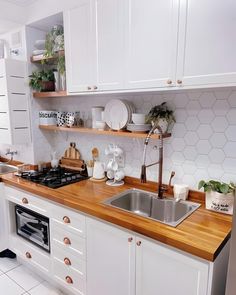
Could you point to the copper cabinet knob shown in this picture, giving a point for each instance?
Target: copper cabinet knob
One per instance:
(169, 82)
(89, 88)
(130, 240)
(66, 241)
(69, 280)
(95, 87)
(28, 255)
(179, 82)
(66, 219)
(67, 261)
(138, 243)
(25, 201)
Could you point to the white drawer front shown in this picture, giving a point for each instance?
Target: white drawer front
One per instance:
(18, 101)
(28, 201)
(16, 85)
(77, 285)
(3, 86)
(69, 220)
(31, 254)
(20, 119)
(4, 120)
(5, 136)
(21, 135)
(76, 245)
(3, 103)
(69, 261)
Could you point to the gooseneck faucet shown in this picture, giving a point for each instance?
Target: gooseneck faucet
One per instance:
(159, 162)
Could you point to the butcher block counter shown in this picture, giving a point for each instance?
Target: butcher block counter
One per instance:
(203, 233)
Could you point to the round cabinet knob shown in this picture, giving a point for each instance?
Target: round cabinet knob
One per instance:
(95, 87)
(179, 82)
(169, 82)
(66, 241)
(69, 280)
(66, 219)
(138, 243)
(89, 88)
(67, 261)
(28, 255)
(25, 201)
(130, 240)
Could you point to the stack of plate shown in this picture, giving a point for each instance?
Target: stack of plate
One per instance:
(141, 128)
(118, 113)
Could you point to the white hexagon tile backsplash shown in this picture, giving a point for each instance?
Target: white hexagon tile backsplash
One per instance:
(202, 146)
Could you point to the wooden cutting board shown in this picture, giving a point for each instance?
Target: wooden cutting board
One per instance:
(72, 152)
(71, 158)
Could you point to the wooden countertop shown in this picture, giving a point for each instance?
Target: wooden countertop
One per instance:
(203, 233)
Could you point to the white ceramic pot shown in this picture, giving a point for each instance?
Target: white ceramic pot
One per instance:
(163, 123)
(222, 203)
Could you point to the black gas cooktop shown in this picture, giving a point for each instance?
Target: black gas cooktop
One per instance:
(55, 178)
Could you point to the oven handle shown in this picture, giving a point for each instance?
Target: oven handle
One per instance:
(36, 230)
(26, 219)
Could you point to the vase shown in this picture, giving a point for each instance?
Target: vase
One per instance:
(222, 203)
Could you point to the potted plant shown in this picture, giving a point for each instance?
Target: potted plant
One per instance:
(54, 41)
(161, 115)
(42, 80)
(219, 195)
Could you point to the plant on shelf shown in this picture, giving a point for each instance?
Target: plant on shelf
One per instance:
(219, 195)
(42, 80)
(54, 41)
(161, 115)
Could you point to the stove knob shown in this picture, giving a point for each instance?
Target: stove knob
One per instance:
(66, 219)
(66, 241)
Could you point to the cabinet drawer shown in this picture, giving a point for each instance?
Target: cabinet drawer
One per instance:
(77, 284)
(69, 220)
(5, 136)
(31, 254)
(69, 261)
(16, 85)
(18, 101)
(20, 119)
(28, 201)
(4, 120)
(3, 103)
(68, 241)
(3, 85)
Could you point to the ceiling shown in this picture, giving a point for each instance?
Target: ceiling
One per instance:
(21, 3)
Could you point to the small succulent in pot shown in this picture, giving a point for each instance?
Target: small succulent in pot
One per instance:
(42, 80)
(216, 186)
(161, 115)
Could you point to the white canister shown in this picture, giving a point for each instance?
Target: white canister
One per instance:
(96, 115)
(48, 118)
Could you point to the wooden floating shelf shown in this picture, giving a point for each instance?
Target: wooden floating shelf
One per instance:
(48, 60)
(49, 94)
(103, 132)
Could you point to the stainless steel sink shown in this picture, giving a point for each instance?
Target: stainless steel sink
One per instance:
(148, 205)
(5, 168)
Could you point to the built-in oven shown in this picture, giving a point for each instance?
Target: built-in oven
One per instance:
(33, 226)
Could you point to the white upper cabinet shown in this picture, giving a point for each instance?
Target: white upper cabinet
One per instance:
(78, 47)
(207, 42)
(151, 38)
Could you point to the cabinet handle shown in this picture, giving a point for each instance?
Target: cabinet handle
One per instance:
(66, 241)
(66, 219)
(69, 280)
(28, 255)
(89, 88)
(130, 240)
(67, 261)
(138, 243)
(95, 87)
(179, 82)
(25, 201)
(169, 82)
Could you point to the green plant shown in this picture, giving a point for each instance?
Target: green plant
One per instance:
(54, 41)
(216, 186)
(159, 112)
(61, 64)
(38, 77)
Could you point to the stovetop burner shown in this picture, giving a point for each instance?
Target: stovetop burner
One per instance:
(56, 177)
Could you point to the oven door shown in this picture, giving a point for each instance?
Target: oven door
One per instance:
(33, 227)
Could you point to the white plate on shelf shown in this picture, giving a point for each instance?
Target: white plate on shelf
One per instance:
(116, 114)
(139, 127)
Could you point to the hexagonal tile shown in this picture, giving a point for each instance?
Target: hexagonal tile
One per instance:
(215, 171)
(179, 130)
(231, 116)
(202, 161)
(181, 100)
(178, 144)
(232, 99)
(201, 174)
(230, 133)
(203, 147)
(219, 124)
(168, 150)
(228, 177)
(146, 107)
(206, 116)
(207, 99)
(192, 123)
(191, 138)
(178, 169)
(204, 131)
(177, 158)
(194, 94)
(230, 149)
(221, 107)
(223, 93)
(190, 153)
(189, 179)
(216, 156)
(229, 165)
(193, 108)
(218, 140)
(189, 167)
(180, 115)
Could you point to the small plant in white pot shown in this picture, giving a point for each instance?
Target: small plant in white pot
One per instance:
(219, 195)
(161, 115)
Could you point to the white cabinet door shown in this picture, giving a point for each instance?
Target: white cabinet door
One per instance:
(78, 28)
(207, 42)
(152, 28)
(3, 220)
(110, 260)
(108, 44)
(160, 270)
